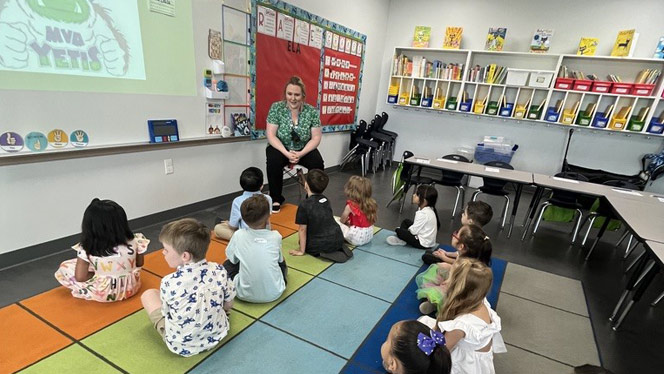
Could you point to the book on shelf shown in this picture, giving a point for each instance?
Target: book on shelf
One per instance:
(421, 36)
(587, 46)
(495, 39)
(492, 74)
(625, 42)
(659, 50)
(452, 37)
(240, 124)
(541, 41)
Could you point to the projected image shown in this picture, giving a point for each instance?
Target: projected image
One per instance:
(72, 37)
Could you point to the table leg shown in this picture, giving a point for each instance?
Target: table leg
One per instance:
(631, 283)
(519, 188)
(532, 209)
(647, 279)
(599, 235)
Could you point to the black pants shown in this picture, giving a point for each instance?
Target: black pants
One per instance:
(233, 269)
(406, 236)
(275, 169)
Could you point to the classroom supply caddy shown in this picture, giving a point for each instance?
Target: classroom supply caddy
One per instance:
(528, 87)
(494, 148)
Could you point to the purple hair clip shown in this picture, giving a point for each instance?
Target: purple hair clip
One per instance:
(427, 344)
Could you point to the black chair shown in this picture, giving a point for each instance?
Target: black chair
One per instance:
(604, 210)
(564, 199)
(384, 143)
(496, 187)
(454, 179)
(408, 179)
(360, 147)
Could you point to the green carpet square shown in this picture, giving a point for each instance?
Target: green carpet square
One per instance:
(135, 346)
(306, 263)
(74, 359)
(296, 279)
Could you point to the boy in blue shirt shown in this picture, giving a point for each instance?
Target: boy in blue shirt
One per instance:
(251, 181)
(255, 262)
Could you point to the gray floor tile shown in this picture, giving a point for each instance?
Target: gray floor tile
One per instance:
(550, 332)
(546, 288)
(518, 361)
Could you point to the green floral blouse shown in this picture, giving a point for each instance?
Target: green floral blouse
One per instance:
(280, 115)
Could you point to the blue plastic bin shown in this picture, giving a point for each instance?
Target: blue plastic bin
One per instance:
(486, 154)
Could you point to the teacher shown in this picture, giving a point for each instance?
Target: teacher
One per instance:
(293, 133)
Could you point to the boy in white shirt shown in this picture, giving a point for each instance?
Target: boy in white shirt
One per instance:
(190, 311)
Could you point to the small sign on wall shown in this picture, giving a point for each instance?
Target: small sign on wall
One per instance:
(166, 7)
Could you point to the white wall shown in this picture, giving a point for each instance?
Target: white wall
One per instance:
(45, 201)
(541, 146)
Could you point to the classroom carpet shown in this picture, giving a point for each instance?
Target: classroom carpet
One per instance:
(331, 318)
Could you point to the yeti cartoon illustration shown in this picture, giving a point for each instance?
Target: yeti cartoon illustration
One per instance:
(78, 36)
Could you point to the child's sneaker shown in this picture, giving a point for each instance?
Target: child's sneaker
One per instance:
(426, 307)
(393, 240)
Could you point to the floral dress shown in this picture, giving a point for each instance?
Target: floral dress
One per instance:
(116, 276)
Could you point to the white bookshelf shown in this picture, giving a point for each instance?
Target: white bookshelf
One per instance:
(518, 95)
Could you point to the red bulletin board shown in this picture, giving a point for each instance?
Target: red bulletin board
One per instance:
(341, 75)
(276, 61)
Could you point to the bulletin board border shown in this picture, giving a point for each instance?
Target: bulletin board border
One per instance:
(319, 21)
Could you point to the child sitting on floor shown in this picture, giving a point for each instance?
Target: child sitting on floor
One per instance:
(359, 215)
(251, 181)
(190, 310)
(319, 234)
(420, 233)
(109, 257)
(475, 213)
(470, 242)
(471, 327)
(255, 263)
(412, 347)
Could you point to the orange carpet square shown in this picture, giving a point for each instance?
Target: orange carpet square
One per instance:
(286, 217)
(80, 318)
(214, 237)
(284, 231)
(26, 339)
(155, 262)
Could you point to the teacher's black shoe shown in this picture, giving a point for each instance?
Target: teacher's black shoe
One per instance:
(276, 207)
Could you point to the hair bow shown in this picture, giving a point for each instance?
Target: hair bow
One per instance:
(428, 344)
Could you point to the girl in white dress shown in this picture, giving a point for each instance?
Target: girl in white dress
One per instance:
(471, 327)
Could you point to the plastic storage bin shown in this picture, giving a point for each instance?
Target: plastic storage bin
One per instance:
(567, 117)
(621, 88)
(635, 125)
(601, 86)
(478, 108)
(404, 97)
(427, 101)
(484, 154)
(492, 108)
(517, 77)
(583, 119)
(540, 79)
(642, 89)
(655, 127)
(534, 112)
(466, 105)
(617, 123)
(582, 85)
(600, 120)
(520, 111)
(551, 114)
(416, 99)
(564, 83)
(451, 103)
(506, 111)
(439, 103)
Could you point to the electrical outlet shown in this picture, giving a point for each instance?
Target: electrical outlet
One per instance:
(168, 166)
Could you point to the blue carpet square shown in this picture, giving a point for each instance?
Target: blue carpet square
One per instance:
(261, 348)
(379, 246)
(328, 315)
(375, 275)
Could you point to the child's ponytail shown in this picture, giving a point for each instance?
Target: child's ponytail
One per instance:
(477, 243)
(430, 194)
(421, 350)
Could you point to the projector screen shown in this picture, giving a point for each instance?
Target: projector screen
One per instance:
(95, 46)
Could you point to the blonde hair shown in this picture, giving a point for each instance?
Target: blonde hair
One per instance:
(469, 283)
(295, 81)
(358, 190)
(187, 235)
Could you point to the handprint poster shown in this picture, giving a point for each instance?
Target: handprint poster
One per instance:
(79, 139)
(11, 142)
(58, 138)
(72, 37)
(36, 141)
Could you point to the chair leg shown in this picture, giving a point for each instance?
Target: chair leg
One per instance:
(657, 300)
(463, 196)
(363, 164)
(403, 198)
(394, 197)
(622, 238)
(630, 248)
(578, 225)
(591, 221)
(475, 195)
(539, 216)
(505, 211)
(636, 261)
(456, 201)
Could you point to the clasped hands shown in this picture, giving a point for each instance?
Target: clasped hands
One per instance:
(294, 156)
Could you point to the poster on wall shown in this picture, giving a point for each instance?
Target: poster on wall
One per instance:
(327, 56)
